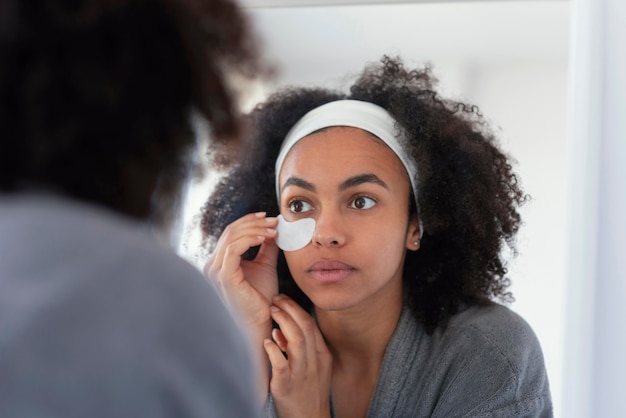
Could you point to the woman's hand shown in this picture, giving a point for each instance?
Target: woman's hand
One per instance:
(246, 286)
(300, 382)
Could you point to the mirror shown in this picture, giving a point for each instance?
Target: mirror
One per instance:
(510, 58)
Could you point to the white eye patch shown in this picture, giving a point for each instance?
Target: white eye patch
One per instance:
(292, 236)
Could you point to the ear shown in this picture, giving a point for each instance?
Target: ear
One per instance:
(413, 234)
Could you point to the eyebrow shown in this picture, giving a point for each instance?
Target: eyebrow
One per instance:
(298, 182)
(351, 182)
(361, 179)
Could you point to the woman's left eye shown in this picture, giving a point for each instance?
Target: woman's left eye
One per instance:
(362, 202)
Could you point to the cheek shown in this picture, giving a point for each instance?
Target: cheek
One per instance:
(386, 250)
(379, 249)
(295, 260)
(297, 265)
(385, 246)
(291, 259)
(386, 235)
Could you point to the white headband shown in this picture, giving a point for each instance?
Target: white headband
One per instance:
(356, 114)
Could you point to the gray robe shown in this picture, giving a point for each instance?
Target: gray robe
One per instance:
(99, 321)
(486, 363)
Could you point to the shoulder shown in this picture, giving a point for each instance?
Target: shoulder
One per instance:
(494, 326)
(94, 261)
(91, 287)
(79, 245)
(492, 352)
(499, 338)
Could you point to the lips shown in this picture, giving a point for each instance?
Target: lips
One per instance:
(330, 271)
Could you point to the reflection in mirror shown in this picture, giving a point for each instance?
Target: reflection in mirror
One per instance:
(507, 57)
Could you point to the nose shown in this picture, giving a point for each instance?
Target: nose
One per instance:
(329, 230)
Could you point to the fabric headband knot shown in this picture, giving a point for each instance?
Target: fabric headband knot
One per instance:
(356, 114)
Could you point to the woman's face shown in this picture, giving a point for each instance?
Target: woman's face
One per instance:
(357, 190)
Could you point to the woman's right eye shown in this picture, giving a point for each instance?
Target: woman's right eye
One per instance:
(299, 206)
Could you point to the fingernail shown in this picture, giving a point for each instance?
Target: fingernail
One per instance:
(259, 214)
(274, 308)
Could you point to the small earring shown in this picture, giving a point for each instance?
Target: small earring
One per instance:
(416, 243)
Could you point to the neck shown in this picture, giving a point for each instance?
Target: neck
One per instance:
(360, 335)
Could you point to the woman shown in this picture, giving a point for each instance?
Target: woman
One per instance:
(395, 205)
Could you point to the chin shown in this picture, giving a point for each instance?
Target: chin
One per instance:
(333, 303)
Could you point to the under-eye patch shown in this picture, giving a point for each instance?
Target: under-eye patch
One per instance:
(292, 236)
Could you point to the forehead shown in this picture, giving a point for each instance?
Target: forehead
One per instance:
(342, 151)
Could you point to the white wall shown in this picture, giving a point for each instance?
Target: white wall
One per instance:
(529, 101)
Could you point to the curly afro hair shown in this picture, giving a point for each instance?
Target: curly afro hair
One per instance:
(468, 194)
(96, 97)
